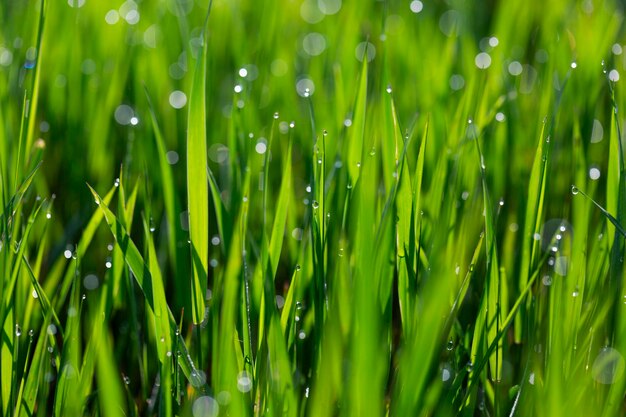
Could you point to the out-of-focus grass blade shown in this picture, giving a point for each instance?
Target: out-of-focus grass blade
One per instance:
(356, 134)
(65, 401)
(34, 98)
(161, 309)
(491, 306)
(404, 211)
(197, 186)
(163, 336)
(280, 216)
(533, 219)
(170, 199)
(482, 360)
(110, 391)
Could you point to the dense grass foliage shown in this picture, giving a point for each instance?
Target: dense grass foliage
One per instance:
(312, 208)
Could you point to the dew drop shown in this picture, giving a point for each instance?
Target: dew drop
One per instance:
(574, 190)
(276, 115)
(18, 330)
(244, 382)
(547, 280)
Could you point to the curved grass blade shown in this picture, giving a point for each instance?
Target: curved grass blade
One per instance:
(141, 273)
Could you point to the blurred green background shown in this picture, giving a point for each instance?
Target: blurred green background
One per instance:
(434, 276)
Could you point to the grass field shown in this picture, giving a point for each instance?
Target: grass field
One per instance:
(312, 208)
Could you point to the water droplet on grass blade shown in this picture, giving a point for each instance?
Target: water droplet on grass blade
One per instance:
(547, 280)
(574, 190)
(305, 87)
(244, 382)
(18, 330)
(197, 378)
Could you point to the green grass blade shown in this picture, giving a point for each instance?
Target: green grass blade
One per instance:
(356, 134)
(197, 186)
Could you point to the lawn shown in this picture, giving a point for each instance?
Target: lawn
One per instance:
(312, 208)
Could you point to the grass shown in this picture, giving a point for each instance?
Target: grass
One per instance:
(312, 208)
